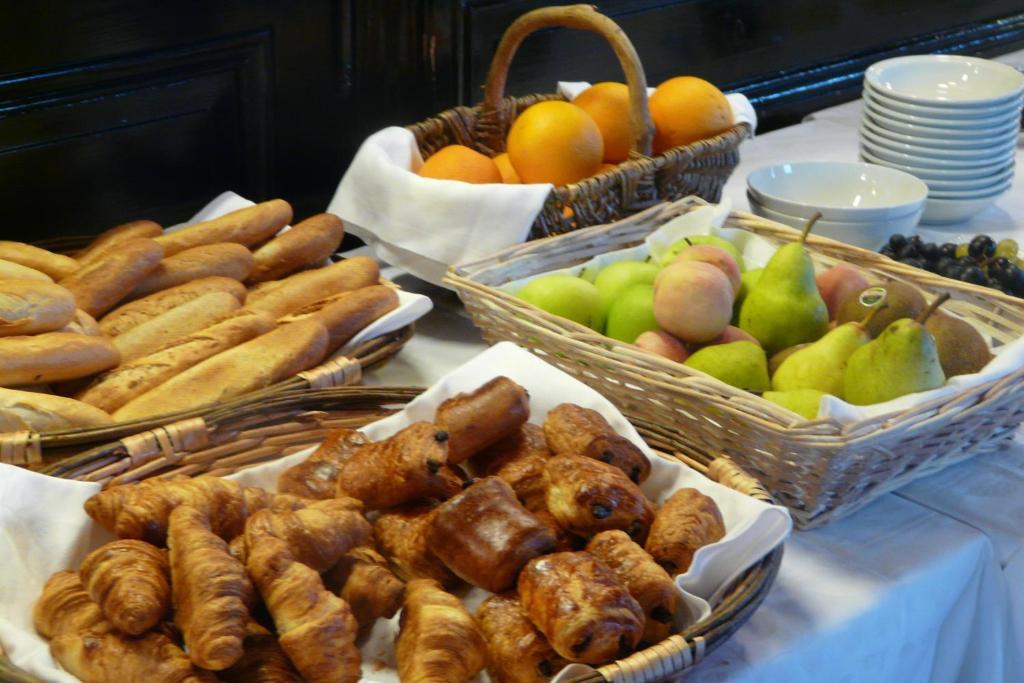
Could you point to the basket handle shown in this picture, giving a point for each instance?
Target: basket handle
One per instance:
(584, 18)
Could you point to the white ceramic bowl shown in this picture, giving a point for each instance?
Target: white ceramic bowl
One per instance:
(941, 112)
(997, 189)
(941, 133)
(996, 121)
(842, 191)
(940, 211)
(999, 156)
(952, 80)
(936, 173)
(983, 141)
(871, 235)
(919, 149)
(986, 184)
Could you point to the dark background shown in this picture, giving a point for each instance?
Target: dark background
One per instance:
(112, 110)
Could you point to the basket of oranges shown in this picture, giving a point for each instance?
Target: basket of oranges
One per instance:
(540, 165)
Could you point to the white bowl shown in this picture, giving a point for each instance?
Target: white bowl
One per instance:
(972, 185)
(920, 149)
(983, 141)
(951, 80)
(941, 112)
(841, 191)
(997, 189)
(990, 122)
(867, 234)
(955, 210)
(936, 173)
(940, 133)
(999, 156)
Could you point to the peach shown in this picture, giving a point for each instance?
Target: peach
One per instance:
(693, 301)
(836, 285)
(734, 334)
(663, 344)
(716, 256)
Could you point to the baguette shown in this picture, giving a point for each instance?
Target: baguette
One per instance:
(134, 378)
(109, 278)
(9, 270)
(54, 357)
(56, 266)
(351, 312)
(32, 306)
(122, 319)
(306, 244)
(83, 323)
(253, 365)
(224, 259)
(175, 324)
(106, 241)
(308, 287)
(27, 410)
(248, 227)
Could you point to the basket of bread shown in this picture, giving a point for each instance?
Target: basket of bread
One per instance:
(141, 323)
(829, 372)
(507, 524)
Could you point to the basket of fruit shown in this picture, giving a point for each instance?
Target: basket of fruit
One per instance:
(833, 374)
(295, 551)
(542, 164)
(140, 326)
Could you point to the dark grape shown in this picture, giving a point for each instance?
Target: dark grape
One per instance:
(916, 241)
(974, 276)
(947, 266)
(999, 269)
(948, 249)
(888, 251)
(930, 251)
(913, 262)
(1015, 280)
(981, 248)
(908, 250)
(897, 241)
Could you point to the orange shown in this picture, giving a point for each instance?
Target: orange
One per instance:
(686, 109)
(458, 162)
(508, 174)
(608, 105)
(554, 142)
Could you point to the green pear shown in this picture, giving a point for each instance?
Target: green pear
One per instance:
(803, 402)
(616, 278)
(564, 295)
(748, 279)
(714, 240)
(822, 364)
(741, 364)
(785, 308)
(902, 360)
(632, 314)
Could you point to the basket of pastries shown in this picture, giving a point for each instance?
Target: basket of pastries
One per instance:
(476, 178)
(830, 373)
(110, 335)
(507, 524)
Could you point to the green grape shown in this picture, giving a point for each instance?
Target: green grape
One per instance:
(961, 250)
(1007, 249)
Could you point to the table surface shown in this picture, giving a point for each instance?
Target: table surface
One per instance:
(926, 584)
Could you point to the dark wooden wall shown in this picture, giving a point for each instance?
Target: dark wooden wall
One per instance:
(118, 109)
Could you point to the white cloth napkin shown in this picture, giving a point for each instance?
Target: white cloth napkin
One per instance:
(43, 528)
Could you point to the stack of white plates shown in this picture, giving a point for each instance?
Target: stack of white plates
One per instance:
(951, 121)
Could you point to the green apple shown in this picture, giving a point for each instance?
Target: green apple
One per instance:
(673, 251)
(616, 278)
(748, 279)
(564, 295)
(632, 314)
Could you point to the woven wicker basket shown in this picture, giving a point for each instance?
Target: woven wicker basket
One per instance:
(231, 439)
(822, 470)
(700, 168)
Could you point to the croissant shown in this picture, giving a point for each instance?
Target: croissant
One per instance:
(317, 476)
(686, 522)
(316, 629)
(438, 640)
(362, 579)
(406, 468)
(317, 536)
(573, 430)
(113, 658)
(263, 662)
(519, 653)
(129, 579)
(65, 607)
(402, 538)
(210, 589)
(519, 460)
(482, 417)
(645, 580)
(579, 604)
(587, 496)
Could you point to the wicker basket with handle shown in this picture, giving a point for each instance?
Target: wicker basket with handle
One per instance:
(235, 438)
(821, 469)
(700, 168)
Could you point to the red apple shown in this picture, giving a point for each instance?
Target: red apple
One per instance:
(663, 344)
(716, 256)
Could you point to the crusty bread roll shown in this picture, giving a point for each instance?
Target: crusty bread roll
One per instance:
(304, 288)
(306, 244)
(175, 324)
(114, 389)
(27, 410)
(33, 306)
(54, 357)
(225, 259)
(124, 318)
(9, 270)
(248, 227)
(57, 266)
(351, 312)
(83, 323)
(119, 234)
(99, 286)
(253, 365)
